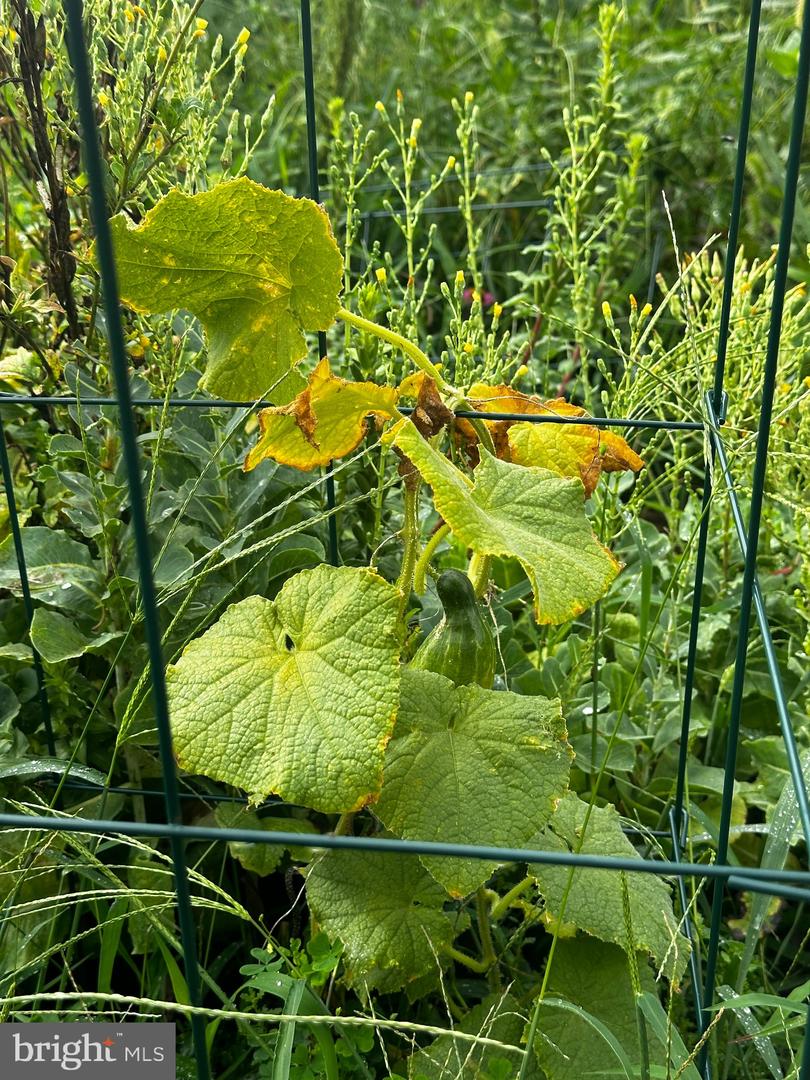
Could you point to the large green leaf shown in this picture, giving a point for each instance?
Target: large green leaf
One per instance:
(595, 900)
(297, 695)
(255, 266)
(60, 570)
(595, 978)
(471, 766)
(386, 909)
(529, 513)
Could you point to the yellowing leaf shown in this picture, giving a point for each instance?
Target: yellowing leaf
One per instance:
(569, 450)
(325, 421)
(471, 766)
(530, 514)
(617, 455)
(255, 266)
(297, 695)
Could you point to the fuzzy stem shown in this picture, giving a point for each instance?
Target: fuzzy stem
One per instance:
(500, 908)
(488, 954)
(410, 539)
(478, 572)
(412, 351)
(470, 962)
(422, 563)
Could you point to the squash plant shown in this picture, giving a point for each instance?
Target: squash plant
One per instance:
(315, 696)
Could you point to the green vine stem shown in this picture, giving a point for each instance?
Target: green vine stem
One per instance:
(488, 954)
(422, 563)
(412, 351)
(345, 824)
(478, 966)
(501, 906)
(478, 572)
(410, 539)
(422, 361)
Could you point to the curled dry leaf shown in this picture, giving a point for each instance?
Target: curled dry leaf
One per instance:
(327, 420)
(581, 450)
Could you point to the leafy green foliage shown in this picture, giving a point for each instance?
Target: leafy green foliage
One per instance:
(595, 901)
(595, 978)
(255, 266)
(295, 696)
(388, 912)
(262, 859)
(527, 513)
(471, 766)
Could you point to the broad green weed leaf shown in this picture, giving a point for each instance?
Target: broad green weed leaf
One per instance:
(255, 266)
(471, 766)
(61, 573)
(529, 513)
(261, 859)
(386, 909)
(325, 421)
(57, 638)
(296, 695)
(595, 901)
(595, 978)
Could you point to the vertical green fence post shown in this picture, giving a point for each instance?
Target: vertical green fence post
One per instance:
(25, 587)
(315, 194)
(758, 486)
(115, 339)
(679, 815)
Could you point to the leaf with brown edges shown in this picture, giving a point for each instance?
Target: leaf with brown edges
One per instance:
(325, 421)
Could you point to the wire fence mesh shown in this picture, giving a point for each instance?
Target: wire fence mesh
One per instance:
(722, 874)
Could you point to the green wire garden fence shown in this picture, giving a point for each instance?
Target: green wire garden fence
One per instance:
(721, 874)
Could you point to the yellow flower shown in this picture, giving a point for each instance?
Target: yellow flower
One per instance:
(129, 14)
(138, 10)
(469, 97)
(400, 96)
(497, 310)
(468, 347)
(451, 162)
(459, 277)
(103, 99)
(633, 303)
(378, 105)
(646, 310)
(145, 342)
(476, 295)
(244, 35)
(163, 56)
(201, 24)
(381, 275)
(606, 310)
(521, 371)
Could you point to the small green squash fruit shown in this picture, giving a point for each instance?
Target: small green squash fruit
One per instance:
(462, 646)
